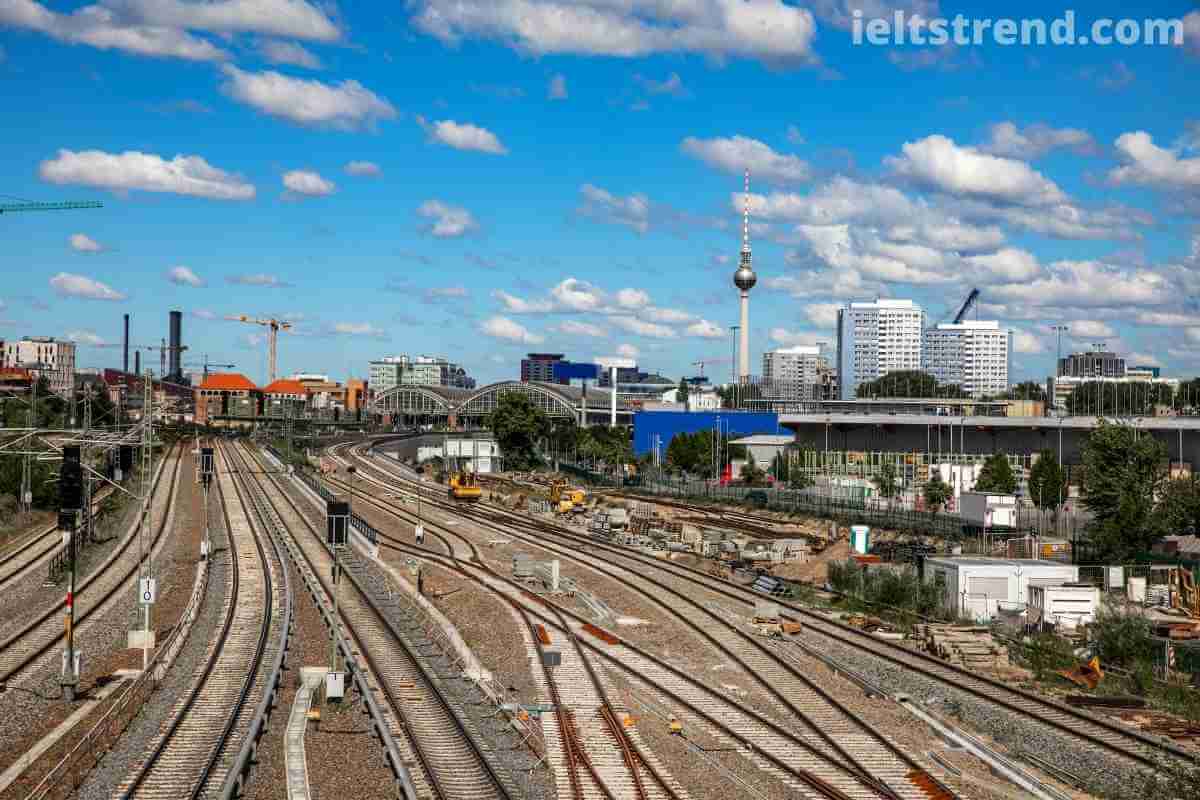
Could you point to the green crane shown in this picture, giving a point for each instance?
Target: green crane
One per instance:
(49, 206)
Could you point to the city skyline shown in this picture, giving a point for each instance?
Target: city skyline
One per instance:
(570, 196)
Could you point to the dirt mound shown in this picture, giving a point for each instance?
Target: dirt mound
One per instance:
(816, 570)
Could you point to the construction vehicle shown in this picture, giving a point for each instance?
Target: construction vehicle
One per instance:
(464, 487)
(565, 499)
(675, 727)
(767, 620)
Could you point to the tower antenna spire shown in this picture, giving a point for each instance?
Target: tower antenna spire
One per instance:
(746, 215)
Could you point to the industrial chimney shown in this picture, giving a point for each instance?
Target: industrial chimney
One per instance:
(174, 351)
(137, 362)
(125, 361)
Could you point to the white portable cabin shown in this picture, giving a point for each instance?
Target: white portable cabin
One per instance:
(977, 587)
(988, 510)
(1066, 606)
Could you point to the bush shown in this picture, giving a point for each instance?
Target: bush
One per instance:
(1046, 653)
(1122, 638)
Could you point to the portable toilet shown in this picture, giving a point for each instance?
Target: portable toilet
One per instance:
(859, 538)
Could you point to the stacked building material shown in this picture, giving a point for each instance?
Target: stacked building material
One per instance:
(968, 646)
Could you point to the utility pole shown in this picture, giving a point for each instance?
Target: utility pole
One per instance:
(26, 461)
(146, 563)
(69, 503)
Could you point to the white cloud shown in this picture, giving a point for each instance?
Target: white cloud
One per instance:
(298, 19)
(1147, 163)
(786, 337)
(628, 351)
(102, 28)
(670, 315)
(519, 305)
(574, 327)
(632, 298)
(1091, 329)
(347, 106)
(938, 163)
(1090, 284)
(464, 136)
(67, 284)
(307, 183)
(183, 276)
(840, 13)
(448, 291)
(133, 170)
(632, 211)
(204, 313)
(1035, 140)
(1166, 319)
(82, 243)
(672, 85)
(768, 30)
(87, 338)
(363, 169)
(557, 90)
(1191, 33)
(277, 52)
(738, 153)
(507, 329)
(1009, 264)
(576, 295)
(447, 221)
(1026, 342)
(704, 329)
(640, 327)
(357, 329)
(794, 135)
(823, 315)
(259, 279)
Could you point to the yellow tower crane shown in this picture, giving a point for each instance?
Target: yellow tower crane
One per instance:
(274, 326)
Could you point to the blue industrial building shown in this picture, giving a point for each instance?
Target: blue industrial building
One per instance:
(659, 427)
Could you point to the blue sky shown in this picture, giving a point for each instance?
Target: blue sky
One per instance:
(466, 178)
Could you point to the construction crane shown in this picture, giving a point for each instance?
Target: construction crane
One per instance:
(163, 348)
(966, 306)
(205, 364)
(700, 378)
(64, 206)
(274, 326)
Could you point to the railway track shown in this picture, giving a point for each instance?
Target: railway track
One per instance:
(1092, 731)
(452, 764)
(36, 548)
(27, 647)
(877, 767)
(197, 753)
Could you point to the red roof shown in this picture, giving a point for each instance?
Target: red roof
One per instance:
(285, 386)
(228, 381)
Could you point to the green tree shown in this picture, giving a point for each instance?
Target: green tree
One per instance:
(1122, 474)
(909, 383)
(1187, 396)
(936, 492)
(996, 476)
(1026, 390)
(887, 482)
(1047, 482)
(1109, 398)
(681, 394)
(1178, 509)
(518, 426)
(751, 475)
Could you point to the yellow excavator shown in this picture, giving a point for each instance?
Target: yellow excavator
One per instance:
(464, 487)
(565, 499)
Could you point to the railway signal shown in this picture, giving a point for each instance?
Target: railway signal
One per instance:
(70, 489)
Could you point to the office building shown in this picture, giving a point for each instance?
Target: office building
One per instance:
(973, 355)
(624, 375)
(875, 339)
(393, 371)
(1097, 364)
(43, 356)
(796, 373)
(539, 367)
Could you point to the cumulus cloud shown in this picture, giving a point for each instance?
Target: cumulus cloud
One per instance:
(574, 327)
(670, 315)
(632, 211)
(306, 183)
(672, 85)
(509, 330)
(277, 52)
(768, 30)
(134, 170)
(463, 136)
(1148, 164)
(66, 284)
(299, 19)
(1191, 33)
(1166, 319)
(936, 162)
(447, 221)
(1026, 342)
(87, 338)
(519, 305)
(183, 276)
(738, 153)
(573, 294)
(651, 330)
(787, 337)
(82, 243)
(204, 313)
(703, 329)
(632, 298)
(346, 106)
(823, 315)
(259, 279)
(1009, 264)
(1090, 284)
(357, 329)
(557, 90)
(1035, 140)
(627, 351)
(1091, 329)
(363, 169)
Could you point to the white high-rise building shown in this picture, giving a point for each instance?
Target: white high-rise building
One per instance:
(44, 356)
(974, 355)
(795, 373)
(875, 339)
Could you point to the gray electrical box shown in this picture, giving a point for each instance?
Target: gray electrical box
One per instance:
(551, 658)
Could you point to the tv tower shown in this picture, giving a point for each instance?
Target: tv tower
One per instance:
(744, 279)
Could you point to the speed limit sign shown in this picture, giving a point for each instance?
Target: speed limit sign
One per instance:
(147, 591)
